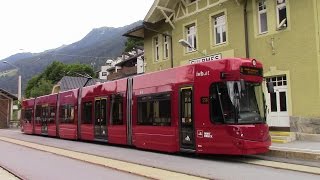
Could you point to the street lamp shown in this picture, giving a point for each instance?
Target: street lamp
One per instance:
(185, 43)
(19, 86)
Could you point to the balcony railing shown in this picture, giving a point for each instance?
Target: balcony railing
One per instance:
(124, 72)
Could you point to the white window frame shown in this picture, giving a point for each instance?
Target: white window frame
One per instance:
(284, 23)
(166, 45)
(219, 26)
(191, 35)
(260, 12)
(156, 48)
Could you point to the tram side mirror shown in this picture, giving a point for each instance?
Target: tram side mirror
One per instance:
(242, 84)
(270, 87)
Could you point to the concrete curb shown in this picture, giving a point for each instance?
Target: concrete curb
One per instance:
(292, 153)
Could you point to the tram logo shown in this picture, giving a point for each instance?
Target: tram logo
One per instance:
(201, 73)
(207, 135)
(200, 133)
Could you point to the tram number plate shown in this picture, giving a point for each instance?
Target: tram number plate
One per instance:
(204, 100)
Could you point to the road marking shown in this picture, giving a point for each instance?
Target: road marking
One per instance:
(141, 170)
(4, 174)
(286, 166)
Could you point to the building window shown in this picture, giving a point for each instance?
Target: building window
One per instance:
(156, 48)
(191, 32)
(282, 21)
(166, 47)
(262, 17)
(67, 114)
(154, 110)
(117, 110)
(87, 113)
(219, 28)
(278, 81)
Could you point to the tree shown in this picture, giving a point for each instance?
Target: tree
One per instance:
(43, 83)
(43, 87)
(55, 71)
(132, 42)
(83, 69)
(31, 84)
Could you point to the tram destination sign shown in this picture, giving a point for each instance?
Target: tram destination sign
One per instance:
(251, 71)
(206, 58)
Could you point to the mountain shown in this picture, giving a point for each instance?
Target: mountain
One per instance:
(96, 47)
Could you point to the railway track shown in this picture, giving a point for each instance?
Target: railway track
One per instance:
(152, 171)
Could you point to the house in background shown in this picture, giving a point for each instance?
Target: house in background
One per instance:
(129, 64)
(283, 34)
(68, 83)
(6, 108)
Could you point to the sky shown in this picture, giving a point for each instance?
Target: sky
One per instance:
(38, 25)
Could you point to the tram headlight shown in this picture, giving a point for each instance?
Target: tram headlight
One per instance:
(254, 62)
(237, 131)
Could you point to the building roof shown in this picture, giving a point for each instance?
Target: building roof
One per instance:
(68, 82)
(6, 93)
(154, 15)
(137, 32)
(165, 10)
(129, 59)
(111, 68)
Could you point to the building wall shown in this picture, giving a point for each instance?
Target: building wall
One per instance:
(202, 19)
(4, 113)
(293, 51)
(151, 64)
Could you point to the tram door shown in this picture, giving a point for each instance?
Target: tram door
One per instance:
(44, 120)
(100, 120)
(187, 138)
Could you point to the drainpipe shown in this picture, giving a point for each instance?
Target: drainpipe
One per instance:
(171, 52)
(246, 38)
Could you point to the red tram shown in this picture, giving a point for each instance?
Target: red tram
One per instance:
(210, 107)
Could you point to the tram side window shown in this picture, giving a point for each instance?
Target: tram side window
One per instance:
(67, 114)
(52, 114)
(221, 108)
(87, 113)
(117, 110)
(154, 110)
(23, 115)
(215, 107)
(27, 115)
(38, 114)
(44, 113)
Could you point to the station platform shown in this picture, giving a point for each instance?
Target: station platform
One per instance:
(299, 152)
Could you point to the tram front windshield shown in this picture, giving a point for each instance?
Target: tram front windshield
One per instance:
(233, 103)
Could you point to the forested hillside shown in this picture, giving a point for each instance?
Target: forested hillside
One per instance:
(95, 48)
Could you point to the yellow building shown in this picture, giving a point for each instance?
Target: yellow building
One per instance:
(283, 34)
